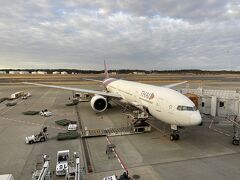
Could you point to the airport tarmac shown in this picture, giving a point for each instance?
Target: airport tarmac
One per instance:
(202, 152)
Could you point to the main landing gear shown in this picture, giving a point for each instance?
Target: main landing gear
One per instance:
(174, 136)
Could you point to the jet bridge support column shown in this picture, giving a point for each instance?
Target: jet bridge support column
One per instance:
(236, 139)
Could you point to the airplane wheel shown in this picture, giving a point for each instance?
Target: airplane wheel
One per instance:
(177, 137)
(172, 137)
(235, 142)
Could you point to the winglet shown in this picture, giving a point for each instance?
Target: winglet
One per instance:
(105, 71)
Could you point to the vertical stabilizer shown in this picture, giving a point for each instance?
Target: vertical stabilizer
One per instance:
(105, 71)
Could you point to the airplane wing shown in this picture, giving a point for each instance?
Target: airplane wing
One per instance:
(114, 95)
(173, 85)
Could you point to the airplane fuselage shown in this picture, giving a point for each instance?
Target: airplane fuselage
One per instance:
(162, 103)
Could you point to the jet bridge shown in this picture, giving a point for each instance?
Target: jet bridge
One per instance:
(220, 104)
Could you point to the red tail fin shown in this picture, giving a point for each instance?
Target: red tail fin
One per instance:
(105, 71)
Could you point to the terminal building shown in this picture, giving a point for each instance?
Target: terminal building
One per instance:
(220, 105)
(55, 72)
(64, 72)
(3, 72)
(217, 103)
(23, 72)
(42, 72)
(13, 72)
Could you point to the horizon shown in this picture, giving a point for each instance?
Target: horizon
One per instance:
(112, 70)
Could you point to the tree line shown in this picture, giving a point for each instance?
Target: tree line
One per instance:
(127, 71)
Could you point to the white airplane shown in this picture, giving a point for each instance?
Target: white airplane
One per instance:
(162, 103)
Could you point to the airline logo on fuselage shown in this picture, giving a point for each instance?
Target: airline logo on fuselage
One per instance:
(147, 95)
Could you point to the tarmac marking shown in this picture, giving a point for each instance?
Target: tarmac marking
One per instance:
(216, 130)
(124, 167)
(11, 107)
(4, 106)
(24, 122)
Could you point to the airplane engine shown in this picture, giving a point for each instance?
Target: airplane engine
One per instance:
(99, 103)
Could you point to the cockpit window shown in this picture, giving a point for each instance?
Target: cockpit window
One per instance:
(186, 108)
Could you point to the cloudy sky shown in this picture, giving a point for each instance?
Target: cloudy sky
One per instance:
(135, 34)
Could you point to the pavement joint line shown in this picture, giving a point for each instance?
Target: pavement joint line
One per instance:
(211, 124)
(216, 130)
(124, 167)
(24, 122)
(189, 159)
(176, 161)
(84, 141)
(11, 108)
(18, 102)
(4, 106)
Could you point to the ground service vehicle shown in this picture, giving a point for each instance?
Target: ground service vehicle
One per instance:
(72, 127)
(41, 137)
(62, 162)
(45, 113)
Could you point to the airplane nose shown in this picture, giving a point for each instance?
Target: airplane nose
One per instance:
(196, 119)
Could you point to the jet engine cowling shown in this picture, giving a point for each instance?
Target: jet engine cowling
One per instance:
(99, 103)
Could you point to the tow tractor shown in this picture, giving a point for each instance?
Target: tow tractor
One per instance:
(26, 95)
(45, 113)
(40, 137)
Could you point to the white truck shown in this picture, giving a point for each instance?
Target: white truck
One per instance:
(6, 177)
(72, 126)
(40, 137)
(62, 162)
(16, 95)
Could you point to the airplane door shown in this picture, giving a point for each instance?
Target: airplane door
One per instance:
(159, 103)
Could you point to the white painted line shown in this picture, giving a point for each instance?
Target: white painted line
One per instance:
(211, 124)
(31, 123)
(10, 108)
(118, 157)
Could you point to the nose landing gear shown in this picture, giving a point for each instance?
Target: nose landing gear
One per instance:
(175, 135)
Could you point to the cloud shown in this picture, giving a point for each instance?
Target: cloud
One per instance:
(129, 34)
